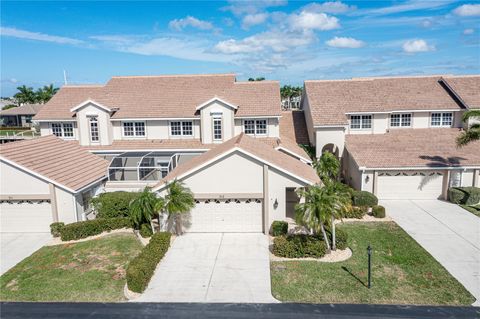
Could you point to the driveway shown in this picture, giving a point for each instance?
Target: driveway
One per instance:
(215, 267)
(448, 232)
(17, 246)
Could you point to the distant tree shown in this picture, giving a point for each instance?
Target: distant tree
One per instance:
(288, 91)
(43, 95)
(9, 106)
(256, 79)
(472, 133)
(25, 95)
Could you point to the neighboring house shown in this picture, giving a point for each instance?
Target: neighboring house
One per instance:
(46, 180)
(20, 116)
(396, 136)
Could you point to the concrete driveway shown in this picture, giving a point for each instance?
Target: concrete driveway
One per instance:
(448, 232)
(17, 246)
(215, 267)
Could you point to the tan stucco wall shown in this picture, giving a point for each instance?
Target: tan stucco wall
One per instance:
(207, 122)
(104, 125)
(308, 119)
(352, 173)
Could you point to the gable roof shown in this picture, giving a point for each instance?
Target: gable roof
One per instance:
(174, 96)
(330, 100)
(466, 88)
(251, 147)
(63, 163)
(26, 109)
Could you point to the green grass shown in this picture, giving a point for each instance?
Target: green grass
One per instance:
(403, 273)
(88, 271)
(28, 132)
(474, 209)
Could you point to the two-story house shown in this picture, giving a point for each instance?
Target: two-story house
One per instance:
(396, 135)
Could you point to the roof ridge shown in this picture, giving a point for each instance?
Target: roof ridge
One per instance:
(171, 75)
(384, 78)
(257, 82)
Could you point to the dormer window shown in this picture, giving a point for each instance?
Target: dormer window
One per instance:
(359, 122)
(217, 129)
(94, 136)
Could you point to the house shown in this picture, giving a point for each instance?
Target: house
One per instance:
(20, 116)
(45, 180)
(396, 135)
(222, 137)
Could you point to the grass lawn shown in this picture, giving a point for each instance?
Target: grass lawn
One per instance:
(88, 271)
(13, 132)
(474, 209)
(402, 273)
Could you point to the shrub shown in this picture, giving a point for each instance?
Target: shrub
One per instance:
(464, 195)
(114, 204)
(146, 230)
(279, 227)
(140, 270)
(341, 237)
(378, 211)
(356, 212)
(299, 246)
(55, 229)
(363, 198)
(89, 228)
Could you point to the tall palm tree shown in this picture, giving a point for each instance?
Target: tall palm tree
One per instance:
(145, 207)
(472, 132)
(327, 167)
(342, 202)
(25, 95)
(179, 200)
(44, 94)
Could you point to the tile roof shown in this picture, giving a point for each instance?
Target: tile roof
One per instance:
(26, 109)
(412, 148)
(293, 126)
(63, 162)
(467, 89)
(329, 100)
(253, 146)
(175, 96)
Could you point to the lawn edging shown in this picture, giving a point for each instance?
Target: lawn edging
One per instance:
(57, 241)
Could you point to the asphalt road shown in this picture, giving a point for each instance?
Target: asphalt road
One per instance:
(231, 311)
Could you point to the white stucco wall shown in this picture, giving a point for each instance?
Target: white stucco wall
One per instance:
(14, 181)
(46, 129)
(104, 125)
(330, 135)
(206, 119)
(66, 206)
(367, 183)
(273, 127)
(308, 119)
(353, 175)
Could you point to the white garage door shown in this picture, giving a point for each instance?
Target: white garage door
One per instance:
(25, 216)
(409, 185)
(231, 215)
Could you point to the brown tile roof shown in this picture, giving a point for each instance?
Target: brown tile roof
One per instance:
(412, 148)
(467, 89)
(330, 100)
(63, 162)
(253, 146)
(26, 109)
(293, 126)
(175, 96)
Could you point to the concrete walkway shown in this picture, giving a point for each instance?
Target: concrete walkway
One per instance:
(17, 246)
(214, 267)
(448, 232)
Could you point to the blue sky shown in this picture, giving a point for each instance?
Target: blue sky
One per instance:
(283, 40)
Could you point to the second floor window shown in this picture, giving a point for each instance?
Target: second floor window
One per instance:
(62, 130)
(358, 122)
(181, 128)
(94, 137)
(217, 129)
(401, 120)
(255, 127)
(441, 119)
(134, 129)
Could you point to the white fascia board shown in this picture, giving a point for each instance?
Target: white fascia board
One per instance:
(79, 106)
(418, 168)
(216, 99)
(309, 161)
(92, 184)
(178, 150)
(331, 126)
(156, 119)
(258, 117)
(69, 120)
(403, 111)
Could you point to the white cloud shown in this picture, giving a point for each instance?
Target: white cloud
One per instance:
(411, 5)
(241, 7)
(468, 31)
(312, 21)
(342, 42)
(116, 39)
(228, 22)
(189, 21)
(23, 34)
(468, 10)
(254, 19)
(417, 45)
(329, 7)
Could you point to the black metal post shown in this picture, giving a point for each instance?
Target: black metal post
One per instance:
(369, 251)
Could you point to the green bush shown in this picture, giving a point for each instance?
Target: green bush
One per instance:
(341, 237)
(356, 212)
(279, 227)
(378, 211)
(146, 230)
(299, 246)
(140, 270)
(464, 195)
(94, 227)
(55, 229)
(114, 204)
(363, 198)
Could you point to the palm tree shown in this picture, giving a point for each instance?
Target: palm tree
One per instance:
(43, 95)
(25, 95)
(342, 202)
(179, 200)
(145, 207)
(327, 167)
(472, 133)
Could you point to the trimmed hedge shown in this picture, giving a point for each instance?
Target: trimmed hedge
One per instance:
(279, 227)
(93, 227)
(140, 270)
(114, 204)
(146, 230)
(341, 238)
(356, 212)
(299, 246)
(378, 211)
(364, 198)
(55, 229)
(464, 195)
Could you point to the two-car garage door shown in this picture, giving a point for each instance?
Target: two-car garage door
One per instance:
(226, 215)
(409, 185)
(25, 216)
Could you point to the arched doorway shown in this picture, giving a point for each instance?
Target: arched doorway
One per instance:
(332, 148)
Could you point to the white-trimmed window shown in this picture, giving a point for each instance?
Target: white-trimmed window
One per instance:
(181, 128)
(255, 127)
(359, 122)
(401, 120)
(441, 119)
(217, 129)
(64, 130)
(94, 136)
(134, 129)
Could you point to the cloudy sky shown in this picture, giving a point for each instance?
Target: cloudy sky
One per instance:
(283, 40)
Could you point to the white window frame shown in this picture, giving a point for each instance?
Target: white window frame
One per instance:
(182, 131)
(401, 117)
(362, 118)
(91, 120)
(135, 130)
(442, 119)
(255, 127)
(215, 119)
(62, 129)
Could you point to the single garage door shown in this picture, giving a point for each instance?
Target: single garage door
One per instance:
(409, 185)
(25, 216)
(230, 215)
